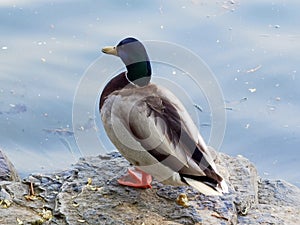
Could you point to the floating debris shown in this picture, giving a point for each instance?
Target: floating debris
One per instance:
(236, 102)
(205, 124)
(252, 90)
(90, 124)
(252, 70)
(60, 131)
(4, 48)
(243, 99)
(198, 107)
(277, 26)
(230, 104)
(15, 109)
(18, 108)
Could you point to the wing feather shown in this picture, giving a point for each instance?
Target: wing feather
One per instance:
(164, 128)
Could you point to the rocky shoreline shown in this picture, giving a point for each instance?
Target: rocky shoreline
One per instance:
(88, 193)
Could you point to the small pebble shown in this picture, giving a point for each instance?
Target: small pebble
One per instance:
(182, 200)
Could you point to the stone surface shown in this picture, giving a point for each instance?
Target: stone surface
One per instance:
(88, 193)
(7, 170)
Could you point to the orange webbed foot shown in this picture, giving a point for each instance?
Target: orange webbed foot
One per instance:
(136, 178)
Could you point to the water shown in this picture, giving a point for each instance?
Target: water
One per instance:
(253, 48)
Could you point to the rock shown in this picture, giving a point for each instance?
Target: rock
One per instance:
(88, 193)
(7, 169)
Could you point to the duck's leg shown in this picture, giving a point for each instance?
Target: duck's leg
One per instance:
(136, 178)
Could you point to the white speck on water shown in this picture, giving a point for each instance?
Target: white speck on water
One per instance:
(162, 27)
(272, 108)
(4, 48)
(277, 85)
(247, 125)
(278, 99)
(218, 41)
(43, 59)
(161, 10)
(41, 43)
(294, 75)
(174, 72)
(252, 90)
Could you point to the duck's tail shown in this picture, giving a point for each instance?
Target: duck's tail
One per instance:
(206, 185)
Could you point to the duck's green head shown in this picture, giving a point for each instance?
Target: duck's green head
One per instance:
(134, 55)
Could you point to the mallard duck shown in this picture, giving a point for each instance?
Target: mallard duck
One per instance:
(152, 129)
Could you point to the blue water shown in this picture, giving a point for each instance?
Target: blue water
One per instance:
(252, 48)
